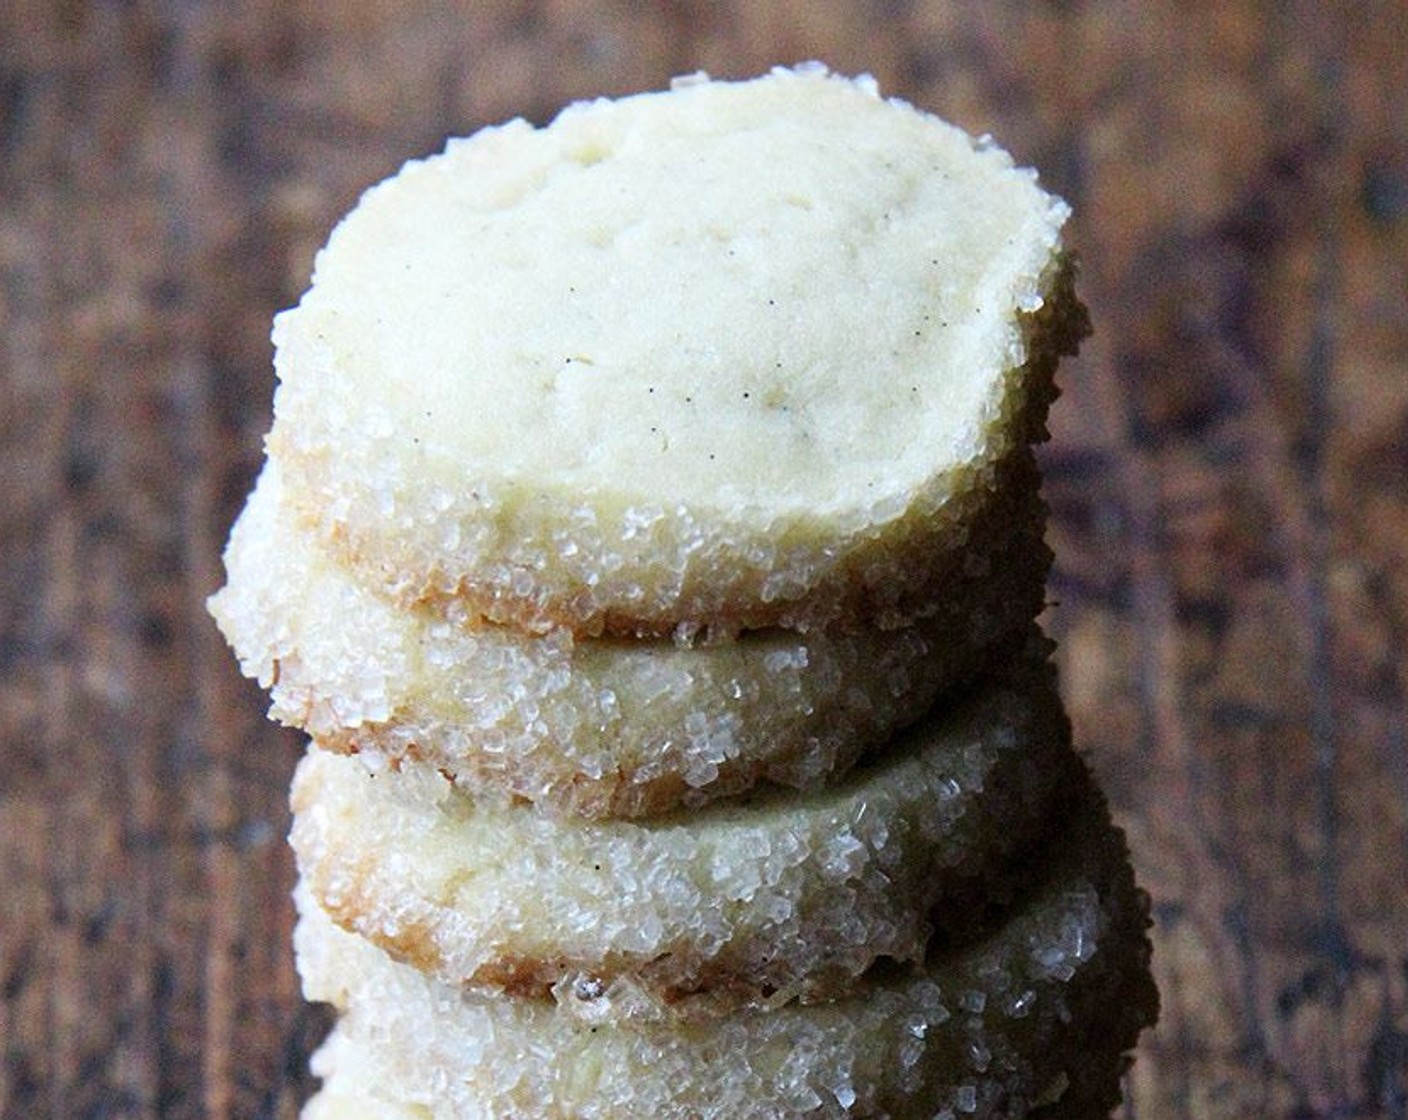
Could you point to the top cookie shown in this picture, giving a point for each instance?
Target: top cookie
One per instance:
(728, 356)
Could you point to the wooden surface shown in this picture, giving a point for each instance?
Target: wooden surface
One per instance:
(1227, 481)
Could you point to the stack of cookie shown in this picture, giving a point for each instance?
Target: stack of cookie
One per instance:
(650, 543)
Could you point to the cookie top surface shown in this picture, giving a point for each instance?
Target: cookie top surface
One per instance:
(733, 315)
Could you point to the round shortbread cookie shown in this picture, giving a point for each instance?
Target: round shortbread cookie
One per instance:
(1038, 1013)
(778, 897)
(603, 728)
(736, 355)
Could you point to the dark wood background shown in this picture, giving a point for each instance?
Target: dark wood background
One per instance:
(1227, 480)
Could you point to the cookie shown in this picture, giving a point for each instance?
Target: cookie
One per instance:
(1039, 1011)
(749, 902)
(602, 728)
(732, 356)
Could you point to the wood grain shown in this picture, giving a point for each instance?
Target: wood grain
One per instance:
(1227, 482)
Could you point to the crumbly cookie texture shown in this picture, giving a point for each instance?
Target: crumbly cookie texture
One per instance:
(1038, 1011)
(735, 355)
(601, 728)
(354, 1086)
(786, 896)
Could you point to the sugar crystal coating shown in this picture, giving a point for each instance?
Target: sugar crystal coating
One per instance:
(782, 896)
(354, 1088)
(1073, 955)
(596, 727)
(737, 355)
